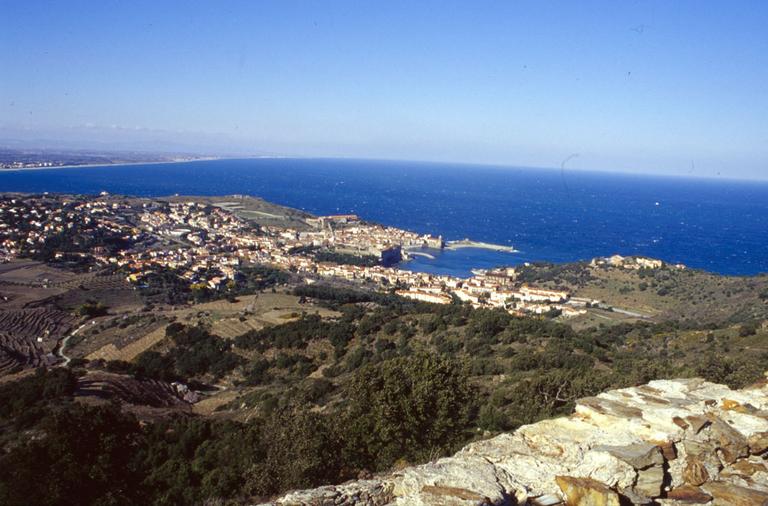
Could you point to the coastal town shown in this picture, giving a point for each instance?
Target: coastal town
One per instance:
(20, 159)
(207, 245)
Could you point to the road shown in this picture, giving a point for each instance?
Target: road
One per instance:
(64, 342)
(631, 313)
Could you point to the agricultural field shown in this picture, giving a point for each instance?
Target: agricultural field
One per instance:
(30, 273)
(28, 337)
(123, 340)
(30, 332)
(26, 281)
(125, 337)
(40, 305)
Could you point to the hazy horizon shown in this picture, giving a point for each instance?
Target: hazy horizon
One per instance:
(468, 164)
(647, 87)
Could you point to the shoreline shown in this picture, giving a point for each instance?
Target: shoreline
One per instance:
(107, 165)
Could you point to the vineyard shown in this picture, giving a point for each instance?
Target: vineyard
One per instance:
(28, 337)
(147, 392)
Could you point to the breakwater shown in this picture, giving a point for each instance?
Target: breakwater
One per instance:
(411, 252)
(466, 243)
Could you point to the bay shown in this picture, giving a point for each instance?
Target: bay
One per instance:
(548, 215)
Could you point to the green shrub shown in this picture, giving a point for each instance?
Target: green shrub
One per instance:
(407, 408)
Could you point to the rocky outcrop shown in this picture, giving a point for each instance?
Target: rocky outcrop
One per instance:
(670, 442)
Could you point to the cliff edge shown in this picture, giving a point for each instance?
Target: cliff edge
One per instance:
(670, 442)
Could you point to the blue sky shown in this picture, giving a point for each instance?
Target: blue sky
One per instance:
(665, 87)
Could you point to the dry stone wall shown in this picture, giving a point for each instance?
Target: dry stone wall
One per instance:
(670, 442)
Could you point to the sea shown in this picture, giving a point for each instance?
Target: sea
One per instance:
(549, 215)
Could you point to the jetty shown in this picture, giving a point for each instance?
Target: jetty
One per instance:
(420, 254)
(466, 243)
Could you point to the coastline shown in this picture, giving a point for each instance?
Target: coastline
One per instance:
(120, 164)
(549, 232)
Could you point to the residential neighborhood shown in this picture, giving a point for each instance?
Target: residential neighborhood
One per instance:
(207, 245)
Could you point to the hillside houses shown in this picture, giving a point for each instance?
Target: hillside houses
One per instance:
(206, 245)
(632, 262)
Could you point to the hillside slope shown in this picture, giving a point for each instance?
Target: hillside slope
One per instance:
(683, 441)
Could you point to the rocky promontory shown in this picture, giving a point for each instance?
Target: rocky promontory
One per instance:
(670, 442)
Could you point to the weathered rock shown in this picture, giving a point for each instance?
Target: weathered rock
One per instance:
(695, 472)
(363, 493)
(732, 495)
(688, 494)
(537, 453)
(449, 496)
(697, 422)
(758, 443)
(731, 405)
(674, 442)
(637, 455)
(698, 462)
(456, 481)
(731, 443)
(545, 500)
(586, 492)
(744, 468)
(649, 482)
(668, 450)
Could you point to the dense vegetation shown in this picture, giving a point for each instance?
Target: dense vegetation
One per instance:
(346, 258)
(325, 255)
(165, 286)
(386, 381)
(98, 455)
(196, 352)
(573, 274)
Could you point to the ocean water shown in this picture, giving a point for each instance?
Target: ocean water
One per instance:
(548, 215)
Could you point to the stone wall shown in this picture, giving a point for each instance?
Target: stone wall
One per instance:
(670, 442)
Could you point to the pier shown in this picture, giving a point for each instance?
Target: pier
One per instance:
(420, 254)
(466, 243)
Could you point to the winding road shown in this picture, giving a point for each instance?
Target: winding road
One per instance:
(64, 342)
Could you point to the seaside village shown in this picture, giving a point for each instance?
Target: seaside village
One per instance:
(206, 245)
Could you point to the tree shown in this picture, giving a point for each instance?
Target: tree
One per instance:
(23, 401)
(83, 457)
(299, 451)
(92, 309)
(553, 392)
(406, 408)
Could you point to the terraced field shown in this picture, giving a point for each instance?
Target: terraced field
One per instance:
(230, 328)
(28, 337)
(231, 319)
(112, 289)
(132, 350)
(23, 282)
(10, 362)
(99, 281)
(146, 392)
(31, 273)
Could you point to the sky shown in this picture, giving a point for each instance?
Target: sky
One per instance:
(655, 87)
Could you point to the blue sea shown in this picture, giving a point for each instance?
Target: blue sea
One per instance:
(548, 215)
